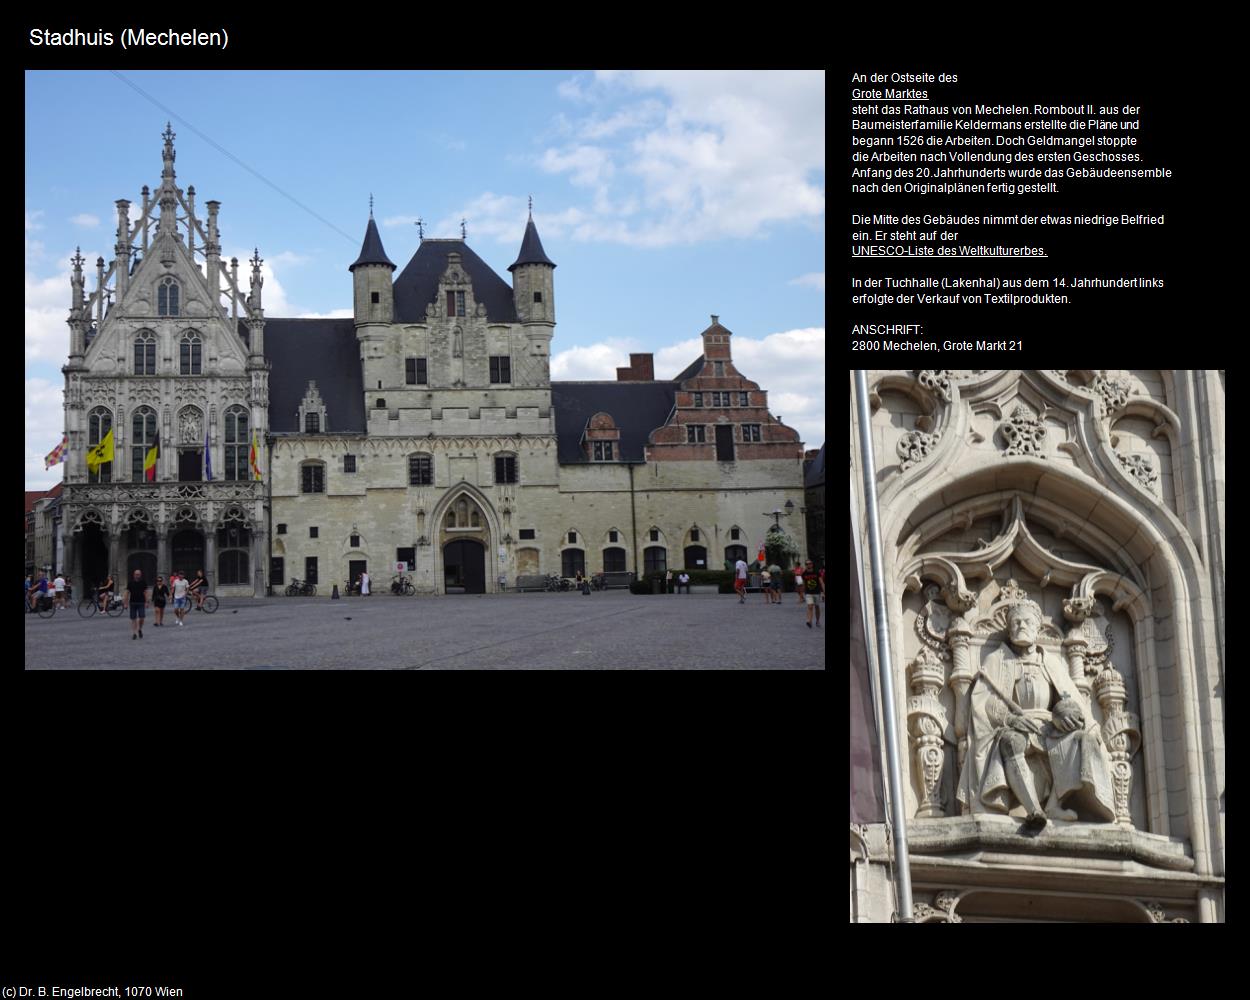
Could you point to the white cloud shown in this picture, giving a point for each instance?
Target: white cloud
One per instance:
(47, 307)
(45, 423)
(86, 220)
(724, 154)
(332, 314)
(593, 361)
(816, 279)
(588, 166)
(32, 220)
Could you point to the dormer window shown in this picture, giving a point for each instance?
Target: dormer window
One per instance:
(603, 451)
(455, 304)
(312, 423)
(167, 297)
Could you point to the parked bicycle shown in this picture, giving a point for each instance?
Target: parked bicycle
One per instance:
(301, 588)
(555, 582)
(113, 607)
(402, 586)
(352, 588)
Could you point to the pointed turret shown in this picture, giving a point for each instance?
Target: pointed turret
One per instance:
(533, 284)
(371, 251)
(531, 248)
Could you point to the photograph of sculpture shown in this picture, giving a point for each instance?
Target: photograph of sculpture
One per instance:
(1051, 549)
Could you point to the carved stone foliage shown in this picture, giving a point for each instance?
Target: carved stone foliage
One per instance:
(915, 445)
(941, 912)
(1112, 393)
(1142, 469)
(1024, 433)
(1159, 916)
(937, 382)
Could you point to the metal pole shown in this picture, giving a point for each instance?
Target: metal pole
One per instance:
(893, 772)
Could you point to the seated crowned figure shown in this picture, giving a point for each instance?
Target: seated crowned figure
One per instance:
(1029, 738)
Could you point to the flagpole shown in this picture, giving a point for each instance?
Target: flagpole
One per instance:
(893, 771)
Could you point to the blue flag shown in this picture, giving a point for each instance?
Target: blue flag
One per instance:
(208, 457)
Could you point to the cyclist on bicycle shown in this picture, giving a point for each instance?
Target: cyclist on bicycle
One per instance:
(198, 588)
(39, 590)
(104, 592)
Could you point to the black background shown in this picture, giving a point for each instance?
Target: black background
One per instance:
(1180, 129)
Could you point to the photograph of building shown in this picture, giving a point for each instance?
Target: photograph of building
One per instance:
(423, 429)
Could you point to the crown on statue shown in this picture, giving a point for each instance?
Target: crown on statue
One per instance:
(1013, 595)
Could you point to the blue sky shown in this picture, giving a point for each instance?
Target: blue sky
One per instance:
(662, 196)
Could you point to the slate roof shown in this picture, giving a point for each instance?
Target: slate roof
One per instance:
(690, 371)
(814, 474)
(531, 249)
(417, 284)
(324, 350)
(638, 408)
(371, 251)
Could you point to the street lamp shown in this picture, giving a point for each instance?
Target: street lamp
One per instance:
(775, 514)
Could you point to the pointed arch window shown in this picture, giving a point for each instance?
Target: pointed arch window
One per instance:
(99, 423)
(142, 438)
(145, 353)
(190, 355)
(237, 444)
(167, 298)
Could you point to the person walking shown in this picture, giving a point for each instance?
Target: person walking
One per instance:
(740, 580)
(811, 584)
(58, 588)
(181, 601)
(137, 589)
(104, 592)
(26, 591)
(668, 582)
(198, 588)
(775, 571)
(798, 582)
(160, 594)
(364, 583)
(766, 585)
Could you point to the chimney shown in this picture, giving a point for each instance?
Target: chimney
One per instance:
(716, 342)
(641, 369)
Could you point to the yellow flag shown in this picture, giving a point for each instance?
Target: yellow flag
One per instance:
(101, 453)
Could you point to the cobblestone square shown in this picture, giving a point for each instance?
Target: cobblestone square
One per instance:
(567, 631)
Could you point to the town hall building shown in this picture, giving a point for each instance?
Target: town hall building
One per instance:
(423, 430)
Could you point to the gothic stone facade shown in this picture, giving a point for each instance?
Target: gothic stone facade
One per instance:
(424, 429)
(1095, 499)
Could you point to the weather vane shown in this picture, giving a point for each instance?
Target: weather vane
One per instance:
(420, 224)
(531, 207)
(371, 204)
(463, 233)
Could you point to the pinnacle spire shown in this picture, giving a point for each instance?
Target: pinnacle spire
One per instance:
(371, 251)
(532, 248)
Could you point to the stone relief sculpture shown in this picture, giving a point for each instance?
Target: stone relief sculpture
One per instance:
(1142, 469)
(1030, 741)
(1023, 433)
(189, 427)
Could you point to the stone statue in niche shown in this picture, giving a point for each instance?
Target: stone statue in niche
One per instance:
(1030, 740)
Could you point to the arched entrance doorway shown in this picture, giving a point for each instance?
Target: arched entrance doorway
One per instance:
(186, 552)
(464, 567)
(94, 553)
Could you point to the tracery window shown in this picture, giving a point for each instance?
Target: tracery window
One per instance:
(99, 423)
(237, 444)
(190, 354)
(145, 353)
(142, 437)
(167, 297)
